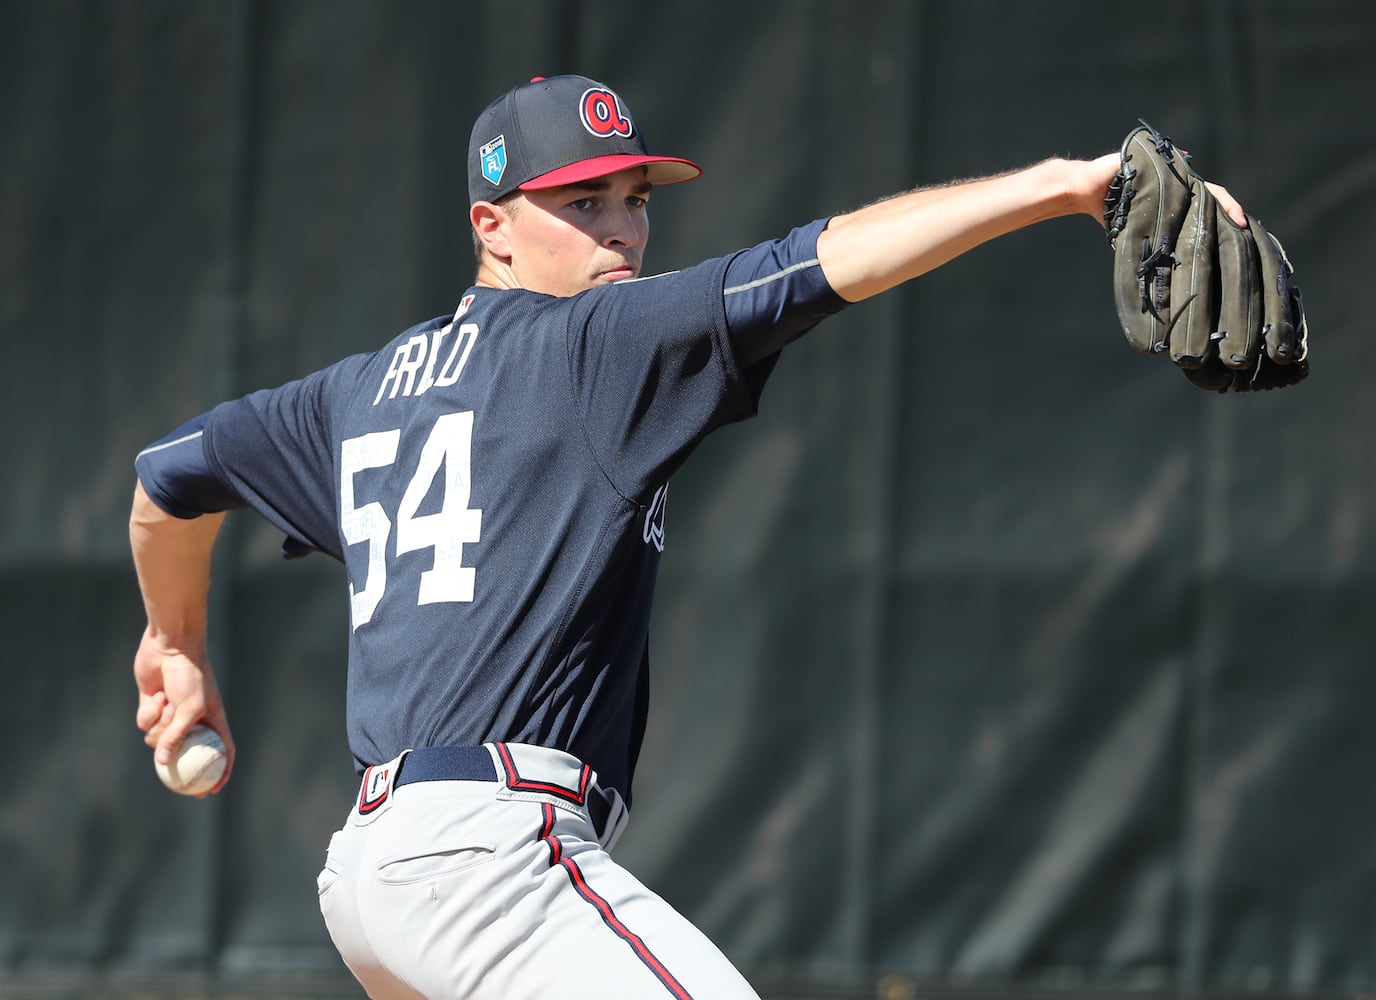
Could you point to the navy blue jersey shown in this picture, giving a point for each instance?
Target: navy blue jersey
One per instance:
(495, 485)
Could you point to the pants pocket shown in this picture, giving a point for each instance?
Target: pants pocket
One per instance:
(327, 878)
(433, 864)
(329, 874)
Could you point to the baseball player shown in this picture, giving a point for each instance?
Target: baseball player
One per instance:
(494, 481)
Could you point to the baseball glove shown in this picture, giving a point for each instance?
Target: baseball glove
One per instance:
(1188, 280)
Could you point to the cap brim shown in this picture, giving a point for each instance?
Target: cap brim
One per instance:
(659, 170)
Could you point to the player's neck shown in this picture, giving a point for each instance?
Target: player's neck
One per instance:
(495, 274)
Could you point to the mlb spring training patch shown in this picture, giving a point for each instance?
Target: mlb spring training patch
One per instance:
(493, 157)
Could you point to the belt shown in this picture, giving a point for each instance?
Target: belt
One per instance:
(470, 763)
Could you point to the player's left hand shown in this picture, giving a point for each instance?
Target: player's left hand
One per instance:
(177, 689)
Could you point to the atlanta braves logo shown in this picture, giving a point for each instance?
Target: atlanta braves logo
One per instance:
(654, 518)
(601, 112)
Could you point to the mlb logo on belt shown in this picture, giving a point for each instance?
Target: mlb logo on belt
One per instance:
(493, 155)
(375, 788)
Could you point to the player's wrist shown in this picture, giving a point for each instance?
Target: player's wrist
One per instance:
(1085, 184)
(184, 639)
(1063, 186)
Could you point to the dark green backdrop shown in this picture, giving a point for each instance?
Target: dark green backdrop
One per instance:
(991, 656)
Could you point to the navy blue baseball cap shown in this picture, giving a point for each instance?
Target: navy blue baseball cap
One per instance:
(559, 130)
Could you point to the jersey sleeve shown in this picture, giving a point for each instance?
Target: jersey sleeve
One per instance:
(177, 477)
(271, 448)
(658, 364)
(255, 452)
(776, 292)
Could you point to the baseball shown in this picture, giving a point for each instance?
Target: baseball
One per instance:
(199, 763)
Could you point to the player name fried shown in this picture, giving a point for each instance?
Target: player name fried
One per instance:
(416, 367)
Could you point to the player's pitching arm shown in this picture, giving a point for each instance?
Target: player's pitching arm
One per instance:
(171, 668)
(872, 249)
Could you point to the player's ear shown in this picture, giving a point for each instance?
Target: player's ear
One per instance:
(489, 227)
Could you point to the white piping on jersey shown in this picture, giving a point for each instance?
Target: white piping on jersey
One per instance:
(814, 262)
(463, 307)
(643, 277)
(168, 444)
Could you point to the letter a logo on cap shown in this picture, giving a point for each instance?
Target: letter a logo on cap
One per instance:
(601, 112)
(493, 155)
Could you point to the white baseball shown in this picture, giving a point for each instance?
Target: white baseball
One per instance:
(198, 764)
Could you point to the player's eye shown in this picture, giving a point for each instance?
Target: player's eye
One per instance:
(636, 201)
(582, 204)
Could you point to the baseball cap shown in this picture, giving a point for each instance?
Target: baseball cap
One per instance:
(559, 130)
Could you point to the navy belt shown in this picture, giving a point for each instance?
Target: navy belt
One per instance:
(446, 764)
(470, 763)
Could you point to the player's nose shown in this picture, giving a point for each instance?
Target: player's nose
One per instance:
(623, 227)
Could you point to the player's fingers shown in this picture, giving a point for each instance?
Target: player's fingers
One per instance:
(224, 778)
(1228, 203)
(149, 710)
(186, 715)
(216, 719)
(155, 731)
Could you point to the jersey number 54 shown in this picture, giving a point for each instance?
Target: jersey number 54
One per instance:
(448, 447)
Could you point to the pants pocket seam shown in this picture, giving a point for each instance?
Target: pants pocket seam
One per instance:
(473, 855)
